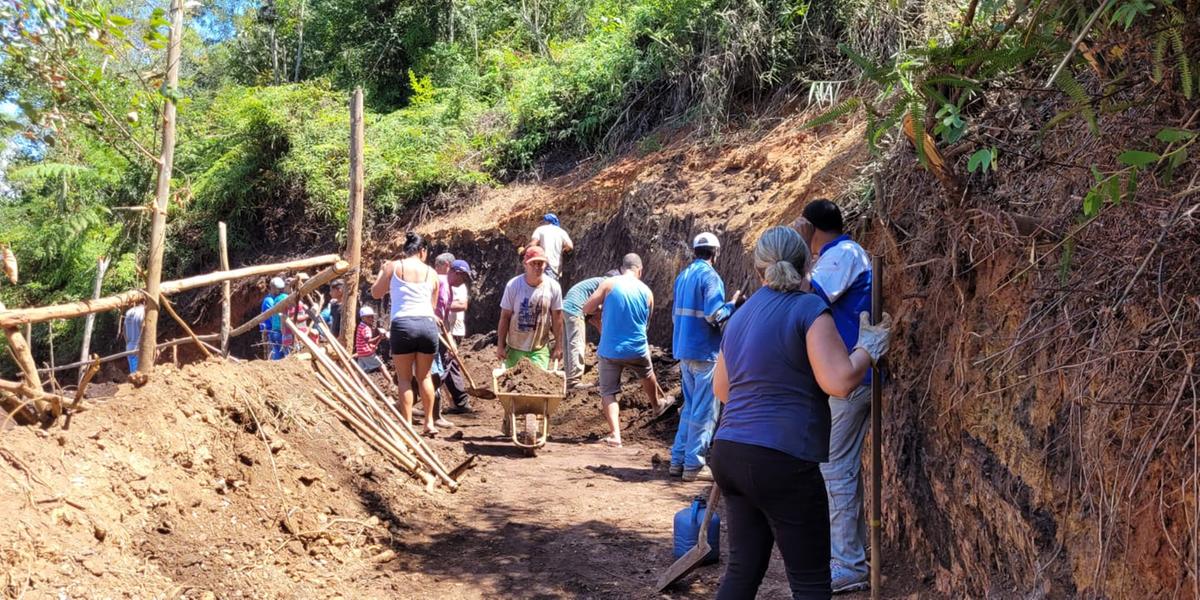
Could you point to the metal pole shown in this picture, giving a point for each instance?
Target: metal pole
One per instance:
(876, 438)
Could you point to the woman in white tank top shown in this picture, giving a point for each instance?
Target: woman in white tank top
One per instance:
(413, 334)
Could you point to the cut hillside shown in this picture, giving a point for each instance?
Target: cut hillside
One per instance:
(650, 203)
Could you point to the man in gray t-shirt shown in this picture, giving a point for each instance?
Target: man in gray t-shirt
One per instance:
(575, 330)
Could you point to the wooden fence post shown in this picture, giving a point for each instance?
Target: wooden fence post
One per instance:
(101, 268)
(225, 291)
(162, 196)
(354, 221)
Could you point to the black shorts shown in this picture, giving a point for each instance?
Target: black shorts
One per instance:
(411, 335)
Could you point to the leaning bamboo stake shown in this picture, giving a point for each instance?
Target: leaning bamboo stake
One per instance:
(414, 441)
(360, 412)
(188, 330)
(89, 323)
(352, 366)
(226, 318)
(316, 281)
(374, 439)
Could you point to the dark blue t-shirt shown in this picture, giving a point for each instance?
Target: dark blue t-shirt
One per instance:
(774, 399)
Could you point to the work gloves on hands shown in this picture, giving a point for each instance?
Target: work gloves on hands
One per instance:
(874, 338)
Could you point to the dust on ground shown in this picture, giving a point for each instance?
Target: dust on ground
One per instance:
(223, 480)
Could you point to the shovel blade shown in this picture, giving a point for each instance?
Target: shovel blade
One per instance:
(481, 393)
(683, 566)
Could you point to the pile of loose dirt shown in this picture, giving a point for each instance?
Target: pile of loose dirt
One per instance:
(528, 378)
(212, 479)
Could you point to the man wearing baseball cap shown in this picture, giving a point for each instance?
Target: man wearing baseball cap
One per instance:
(700, 310)
(530, 312)
(457, 278)
(555, 241)
(272, 329)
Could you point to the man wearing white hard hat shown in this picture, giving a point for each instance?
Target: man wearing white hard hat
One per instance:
(366, 340)
(700, 311)
(272, 329)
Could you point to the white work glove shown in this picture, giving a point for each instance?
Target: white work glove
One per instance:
(874, 338)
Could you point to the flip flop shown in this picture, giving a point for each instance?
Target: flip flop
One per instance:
(609, 441)
(430, 433)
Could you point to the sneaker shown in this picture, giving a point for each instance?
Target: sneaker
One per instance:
(443, 423)
(675, 470)
(581, 386)
(701, 474)
(459, 409)
(845, 580)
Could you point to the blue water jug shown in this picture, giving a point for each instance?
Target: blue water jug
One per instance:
(687, 530)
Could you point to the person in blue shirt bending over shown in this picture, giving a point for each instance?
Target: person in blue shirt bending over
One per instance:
(842, 276)
(626, 303)
(700, 310)
(272, 328)
(780, 360)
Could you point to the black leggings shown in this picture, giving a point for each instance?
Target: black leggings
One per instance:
(772, 497)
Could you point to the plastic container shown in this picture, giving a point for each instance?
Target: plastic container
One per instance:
(687, 530)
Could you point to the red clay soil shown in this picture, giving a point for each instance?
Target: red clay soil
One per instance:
(528, 378)
(221, 480)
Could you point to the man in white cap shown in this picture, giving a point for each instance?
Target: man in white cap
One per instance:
(272, 329)
(554, 240)
(366, 341)
(700, 310)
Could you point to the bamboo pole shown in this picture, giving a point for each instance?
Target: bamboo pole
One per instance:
(405, 433)
(188, 330)
(316, 281)
(101, 268)
(226, 316)
(355, 220)
(22, 316)
(352, 366)
(377, 440)
(876, 439)
(210, 337)
(162, 195)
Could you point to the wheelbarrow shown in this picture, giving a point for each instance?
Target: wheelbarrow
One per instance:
(535, 410)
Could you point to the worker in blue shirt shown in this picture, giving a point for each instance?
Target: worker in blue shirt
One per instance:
(272, 328)
(842, 277)
(700, 309)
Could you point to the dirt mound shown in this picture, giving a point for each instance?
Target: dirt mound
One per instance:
(212, 478)
(528, 378)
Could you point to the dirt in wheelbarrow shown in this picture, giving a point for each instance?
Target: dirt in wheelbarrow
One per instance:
(528, 378)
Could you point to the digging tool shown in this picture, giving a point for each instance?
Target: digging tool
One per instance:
(876, 438)
(696, 555)
(472, 389)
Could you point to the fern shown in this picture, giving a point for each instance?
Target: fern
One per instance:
(881, 128)
(1083, 102)
(1000, 60)
(873, 72)
(48, 170)
(1175, 33)
(1157, 56)
(848, 106)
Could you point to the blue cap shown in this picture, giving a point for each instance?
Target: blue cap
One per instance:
(551, 218)
(461, 266)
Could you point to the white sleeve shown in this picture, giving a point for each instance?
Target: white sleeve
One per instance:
(507, 301)
(539, 235)
(556, 297)
(566, 236)
(837, 269)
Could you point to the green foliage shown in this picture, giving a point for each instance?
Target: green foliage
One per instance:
(1082, 100)
(982, 160)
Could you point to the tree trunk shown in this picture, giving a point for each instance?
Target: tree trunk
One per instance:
(101, 268)
(299, 44)
(162, 197)
(354, 222)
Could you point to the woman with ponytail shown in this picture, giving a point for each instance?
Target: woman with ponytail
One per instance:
(414, 330)
(780, 359)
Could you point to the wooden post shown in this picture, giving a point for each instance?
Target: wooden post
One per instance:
(354, 221)
(19, 346)
(101, 268)
(225, 291)
(876, 440)
(162, 196)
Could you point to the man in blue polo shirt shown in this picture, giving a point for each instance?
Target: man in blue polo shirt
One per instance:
(272, 328)
(842, 276)
(700, 309)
